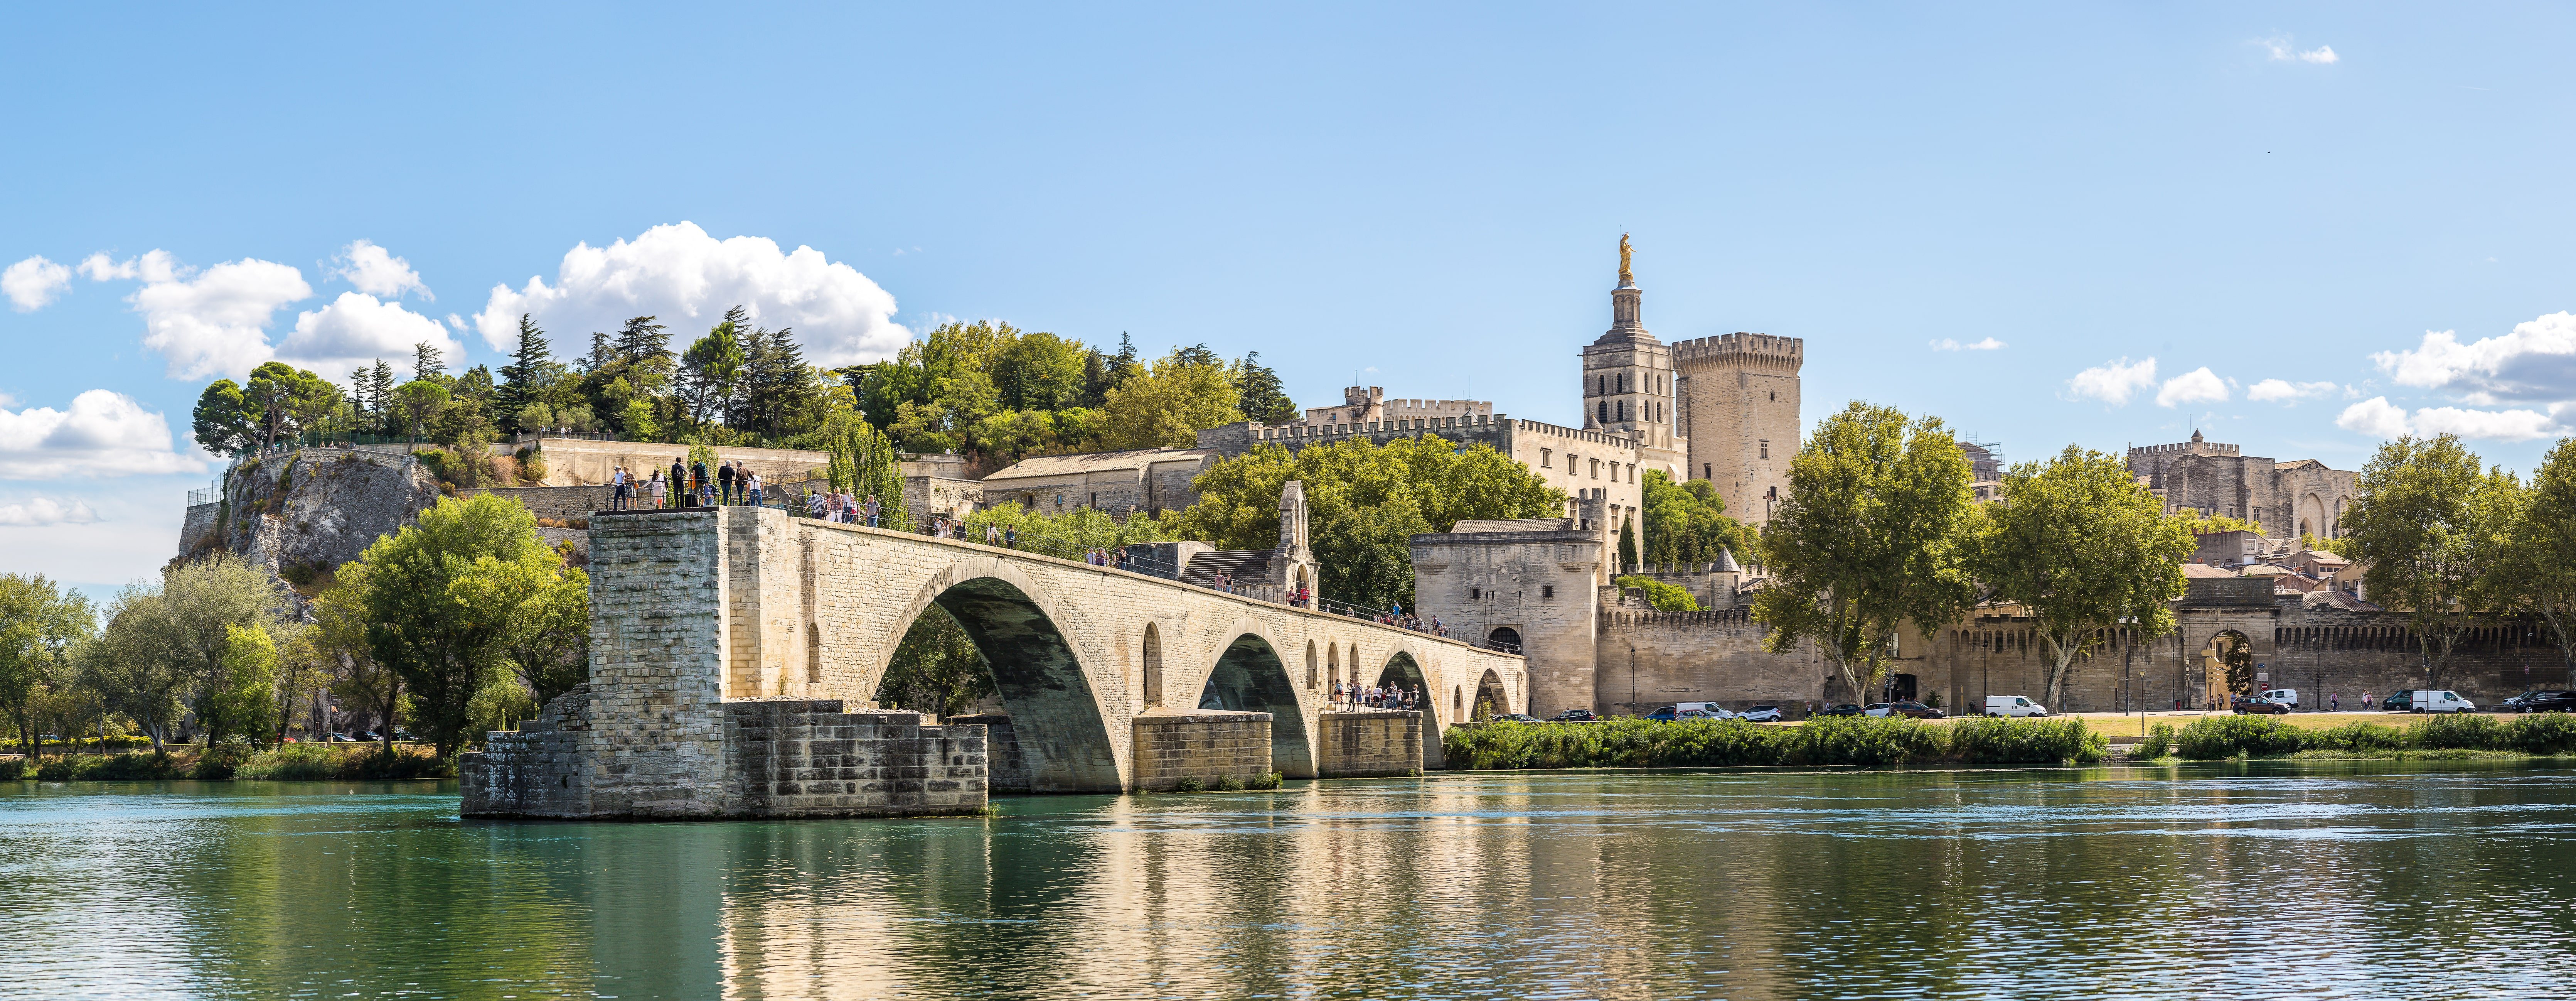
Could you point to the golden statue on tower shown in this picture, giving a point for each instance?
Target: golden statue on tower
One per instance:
(1624, 277)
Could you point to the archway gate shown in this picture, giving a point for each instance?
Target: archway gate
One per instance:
(696, 610)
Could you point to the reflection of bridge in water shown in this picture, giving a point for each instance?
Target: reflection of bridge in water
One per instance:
(726, 644)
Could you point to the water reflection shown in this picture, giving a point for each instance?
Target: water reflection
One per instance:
(2236, 880)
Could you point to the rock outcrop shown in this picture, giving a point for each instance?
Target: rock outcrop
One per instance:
(316, 508)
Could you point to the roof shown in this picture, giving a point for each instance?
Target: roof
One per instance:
(1095, 462)
(2205, 570)
(2265, 570)
(2320, 556)
(1513, 525)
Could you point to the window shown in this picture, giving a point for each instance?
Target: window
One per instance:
(1605, 411)
(1059, 500)
(1543, 457)
(1596, 469)
(1546, 591)
(1475, 594)
(1623, 410)
(1333, 662)
(1708, 470)
(1632, 472)
(1766, 448)
(1095, 499)
(1623, 382)
(1153, 666)
(1310, 663)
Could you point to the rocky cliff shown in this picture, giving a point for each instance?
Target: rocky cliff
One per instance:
(314, 509)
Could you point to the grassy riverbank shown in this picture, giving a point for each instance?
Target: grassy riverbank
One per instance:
(2219, 737)
(1861, 741)
(284, 763)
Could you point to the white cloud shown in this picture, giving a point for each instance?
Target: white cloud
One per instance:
(103, 434)
(2381, 419)
(32, 283)
(2284, 391)
(688, 279)
(2199, 385)
(2112, 382)
(2535, 361)
(356, 329)
(100, 267)
(210, 323)
(377, 272)
(1952, 344)
(46, 511)
(2283, 51)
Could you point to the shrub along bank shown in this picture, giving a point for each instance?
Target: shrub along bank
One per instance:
(286, 762)
(1862, 741)
(2217, 737)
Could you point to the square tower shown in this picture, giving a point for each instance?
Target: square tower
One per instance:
(1628, 380)
(1738, 409)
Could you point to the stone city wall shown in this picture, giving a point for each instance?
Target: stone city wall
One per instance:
(561, 503)
(1209, 745)
(1370, 742)
(588, 462)
(539, 770)
(1648, 659)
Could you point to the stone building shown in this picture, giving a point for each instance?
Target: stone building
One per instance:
(2281, 499)
(1152, 480)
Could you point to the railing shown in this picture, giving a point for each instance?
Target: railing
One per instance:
(208, 495)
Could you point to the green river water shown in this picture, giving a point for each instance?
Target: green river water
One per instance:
(2245, 880)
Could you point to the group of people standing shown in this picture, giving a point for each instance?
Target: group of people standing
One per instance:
(1396, 616)
(691, 484)
(845, 508)
(1359, 696)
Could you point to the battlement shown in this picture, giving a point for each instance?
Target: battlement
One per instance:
(1574, 434)
(1743, 347)
(2186, 447)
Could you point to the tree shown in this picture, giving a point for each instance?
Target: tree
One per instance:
(243, 697)
(1262, 397)
(1686, 522)
(1628, 545)
(427, 361)
(426, 618)
(1041, 372)
(40, 622)
(642, 340)
(936, 668)
(127, 667)
(708, 371)
(1876, 530)
(2543, 555)
(864, 464)
(1364, 502)
(545, 611)
(1167, 406)
(2433, 531)
(223, 420)
(280, 397)
(1665, 597)
(532, 367)
(340, 633)
(2085, 549)
(779, 391)
(421, 401)
(185, 631)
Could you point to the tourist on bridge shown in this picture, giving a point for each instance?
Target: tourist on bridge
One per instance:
(701, 486)
(658, 489)
(724, 483)
(617, 488)
(872, 509)
(679, 483)
(750, 486)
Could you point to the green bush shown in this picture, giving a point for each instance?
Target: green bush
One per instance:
(2458, 731)
(2357, 738)
(376, 766)
(2005, 741)
(2210, 738)
(2158, 742)
(131, 767)
(57, 770)
(1188, 783)
(2543, 733)
(294, 763)
(219, 763)
(13, 769)
(1867, 741)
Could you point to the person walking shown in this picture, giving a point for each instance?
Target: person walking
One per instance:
(2365, 701)
(679, 482)
(873, 508)
(751, 487)
(724, 482)
(660, 489)
(1011, 537)
(2334, 703)
(617, 488)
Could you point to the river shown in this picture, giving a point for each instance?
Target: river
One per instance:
(2245, 880)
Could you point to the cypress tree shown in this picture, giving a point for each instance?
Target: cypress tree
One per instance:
(529, 366)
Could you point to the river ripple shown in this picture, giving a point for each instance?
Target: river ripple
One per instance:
(2263, 880)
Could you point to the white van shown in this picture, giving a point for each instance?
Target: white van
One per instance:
(2013, 705)
(2434, 700)
(2282, 697)
(1713, 710)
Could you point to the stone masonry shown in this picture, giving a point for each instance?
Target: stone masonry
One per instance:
(1371, 742)
(1210, 745)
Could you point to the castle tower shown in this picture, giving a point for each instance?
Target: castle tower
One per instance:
(1628, 379)
(1738, 412)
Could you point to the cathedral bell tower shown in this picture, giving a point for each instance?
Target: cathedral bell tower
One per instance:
(1628, 379)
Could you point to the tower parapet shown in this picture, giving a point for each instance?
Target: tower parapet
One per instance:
(1750, 350)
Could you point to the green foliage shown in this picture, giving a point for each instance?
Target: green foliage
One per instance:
(1081, 526)
(40, 622)
(223, 421)
(1364, 502)
(13, 770)
(434, 613)
(2356, 738)
(2539, 576)
(292, 763)
(2216, 737)
(2437, 535)
(936, 669)
(1665, 597)
(2084, 549)
(1985, 740)
(2543, 733)
(2158, 743)
(1686, 522)
(1628, 545)
(2207, 524)
(243, 698)
(2210, 738)
(219, 762)
(1166, 406)
(865, 464)
(1837, 740)
(2457, 731)
(1878, 528)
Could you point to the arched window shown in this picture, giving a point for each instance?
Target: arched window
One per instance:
(1505, 638)
(1623, 410)
(1623, 382)
(1153, 666)
(1333, 662)
(1605, 411)
(1310, 663)
(813, 654)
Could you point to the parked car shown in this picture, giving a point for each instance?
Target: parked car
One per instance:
(2246, 706)
(342, 738)
(2429, 700)
(2281, 696)
(1845, 709)
(1916, 710)
(1514, 718)
(1664, 715)
(2543, 701)
(1710, 713)
(1575, 716)
(1761, 714)
(2013, 705)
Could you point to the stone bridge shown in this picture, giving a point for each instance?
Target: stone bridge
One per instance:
(714, 630)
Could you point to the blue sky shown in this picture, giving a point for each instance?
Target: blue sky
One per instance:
(2368, 205)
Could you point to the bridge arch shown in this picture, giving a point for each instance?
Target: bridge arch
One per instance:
(1250, 676)
(1057, 714)
(1404, 672)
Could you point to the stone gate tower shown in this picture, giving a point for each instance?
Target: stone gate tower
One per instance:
(1738, 409)
(1628, 380)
